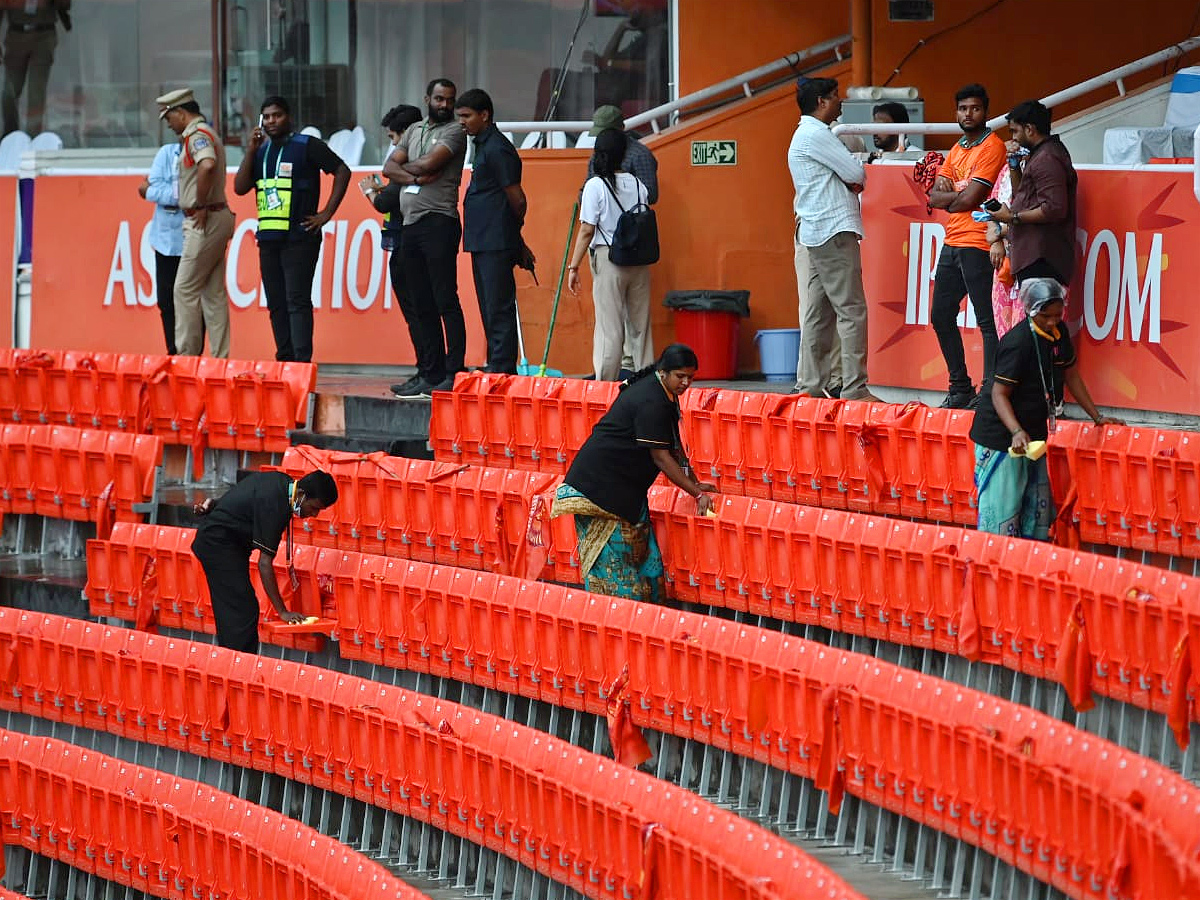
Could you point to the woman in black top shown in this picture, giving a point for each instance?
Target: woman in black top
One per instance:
(1033, 362)
(253, 515)
(606, 486)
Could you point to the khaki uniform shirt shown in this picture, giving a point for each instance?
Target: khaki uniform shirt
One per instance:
(200, 141)
(440, 195)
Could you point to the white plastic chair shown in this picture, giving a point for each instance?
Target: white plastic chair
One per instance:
(47, 140)
(311, 131)
(353, 149)
(338, 141)
(11, 147)
(555, 140)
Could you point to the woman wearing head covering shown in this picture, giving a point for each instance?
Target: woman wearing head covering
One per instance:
(1034, 361)
(606, 486)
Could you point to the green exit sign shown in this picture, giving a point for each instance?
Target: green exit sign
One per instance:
(714, 153)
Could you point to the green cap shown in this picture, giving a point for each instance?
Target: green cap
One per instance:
(607, 117)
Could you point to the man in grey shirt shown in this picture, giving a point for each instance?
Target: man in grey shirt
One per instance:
(428, 163)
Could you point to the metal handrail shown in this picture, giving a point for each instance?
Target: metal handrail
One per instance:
(671, 110)
(1113, 76)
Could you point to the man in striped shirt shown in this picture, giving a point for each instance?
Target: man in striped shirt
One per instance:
(828, 180)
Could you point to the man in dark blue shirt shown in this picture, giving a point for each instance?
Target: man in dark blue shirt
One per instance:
(493, 213)
(284, 169)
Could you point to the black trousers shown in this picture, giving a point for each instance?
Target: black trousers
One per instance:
(496, 288)
(287, 272)
(1039, 268)
(165, 268)
(235, 606)
(396, 273)
(963, 270)
(431, 308)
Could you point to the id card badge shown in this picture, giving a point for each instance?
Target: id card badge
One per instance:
(273, 201)
(413, 189)
(1052, 418)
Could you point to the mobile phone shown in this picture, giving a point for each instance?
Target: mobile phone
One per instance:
(260, 121)
(991, 205)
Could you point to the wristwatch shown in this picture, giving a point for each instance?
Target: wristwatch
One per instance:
(1016, 219)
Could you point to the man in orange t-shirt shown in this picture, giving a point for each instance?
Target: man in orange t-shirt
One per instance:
(964, 267)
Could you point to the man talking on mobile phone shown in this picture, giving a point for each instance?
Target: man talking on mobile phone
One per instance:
(965, 266)
(284, 169)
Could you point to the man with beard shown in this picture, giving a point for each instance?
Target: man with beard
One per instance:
(1043, 209)
(285, 173)
(889, 113)
(965, 265)
(428, 163)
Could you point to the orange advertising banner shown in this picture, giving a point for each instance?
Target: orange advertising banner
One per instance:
(1130, 308)
(8, 255)
(93, 278)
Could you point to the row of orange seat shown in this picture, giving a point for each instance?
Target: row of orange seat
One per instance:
(459, 515)
(598, 827)
(79, 474)
(167, 836)
(1018, 603)
(1125, 487)
(1022, 604)
(1017, 783)
(229, 404)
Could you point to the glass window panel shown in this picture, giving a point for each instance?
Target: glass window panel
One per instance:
(119, 56)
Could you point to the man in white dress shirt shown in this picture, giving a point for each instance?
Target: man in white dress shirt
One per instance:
(828, 180)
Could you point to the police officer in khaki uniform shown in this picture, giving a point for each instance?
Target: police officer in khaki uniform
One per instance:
(29, 46)
(200, 298)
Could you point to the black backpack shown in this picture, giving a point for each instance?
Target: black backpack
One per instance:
(635, 241)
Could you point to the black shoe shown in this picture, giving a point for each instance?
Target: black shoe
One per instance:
(974, 404)
(427, 389)
(834, 390)
(625, 374)
(959, 400)
(414, 387)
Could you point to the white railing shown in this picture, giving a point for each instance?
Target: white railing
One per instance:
(671, 110)
(1115, 76)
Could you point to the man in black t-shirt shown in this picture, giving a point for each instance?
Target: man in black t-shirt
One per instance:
(285, 173)
(493, 213)
(253, 515)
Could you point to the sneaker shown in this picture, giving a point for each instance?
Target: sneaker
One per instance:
(446, 384)
(974, 404)
(958, 400)
(414, 387)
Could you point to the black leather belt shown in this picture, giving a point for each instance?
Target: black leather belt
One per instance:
(30, 29)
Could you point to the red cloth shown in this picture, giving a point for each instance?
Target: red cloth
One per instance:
(1074, 666)
(1179, 707)
(648, 887)
(628, 744)
(144, 597)
(969, 638)
(829, 775)
(925, 173)
(105, 512)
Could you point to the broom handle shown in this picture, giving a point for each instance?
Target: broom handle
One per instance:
(562, 274)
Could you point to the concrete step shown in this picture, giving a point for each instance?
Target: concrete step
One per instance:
(411, 446)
